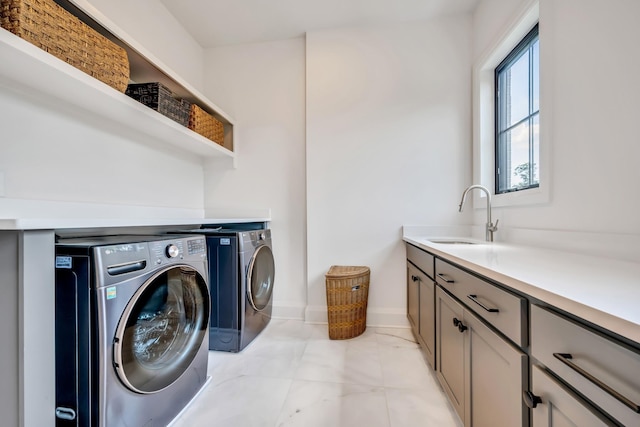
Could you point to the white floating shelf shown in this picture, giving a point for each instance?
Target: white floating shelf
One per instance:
(28, 69)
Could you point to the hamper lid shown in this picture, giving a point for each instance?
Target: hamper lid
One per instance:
(346, 271)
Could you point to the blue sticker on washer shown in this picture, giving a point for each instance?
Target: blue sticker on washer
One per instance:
(225, 241)
(111, 292)
(63, 262)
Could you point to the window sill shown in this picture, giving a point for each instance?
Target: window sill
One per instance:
(532, 196)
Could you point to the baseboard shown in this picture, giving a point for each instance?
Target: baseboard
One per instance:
(288, 311)
(379, 318)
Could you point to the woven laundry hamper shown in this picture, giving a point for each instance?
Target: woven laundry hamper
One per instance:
(347, 293)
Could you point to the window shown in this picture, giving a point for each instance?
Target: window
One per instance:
(517, 111)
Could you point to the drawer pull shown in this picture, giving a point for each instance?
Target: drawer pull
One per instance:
(446, 278)
(530, 399)
(414, 278)
(565, 358)
(474, 298)
(458, 323)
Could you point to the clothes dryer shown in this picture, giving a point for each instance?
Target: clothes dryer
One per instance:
(241, 279)
(131, 329)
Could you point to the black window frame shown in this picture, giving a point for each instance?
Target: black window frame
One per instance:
(523, 48)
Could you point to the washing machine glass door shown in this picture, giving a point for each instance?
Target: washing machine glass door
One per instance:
(260, 277)
(161, 329)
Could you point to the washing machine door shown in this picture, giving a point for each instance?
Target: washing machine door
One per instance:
(161, 329)
(260, 275)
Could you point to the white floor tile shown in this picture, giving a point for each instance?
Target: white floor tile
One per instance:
(404, 367)
(293, 375)
(419, 408)
(243, 401)
(323, 404)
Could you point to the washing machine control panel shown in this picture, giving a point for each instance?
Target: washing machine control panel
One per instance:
(168, 251)
(196, 246)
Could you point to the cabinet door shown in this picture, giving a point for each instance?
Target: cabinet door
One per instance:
(498, 376)
(557, 407)
(450, 347)
(428, 319)
(413, 298)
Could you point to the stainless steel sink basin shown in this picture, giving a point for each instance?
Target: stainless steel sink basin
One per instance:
(453, 241)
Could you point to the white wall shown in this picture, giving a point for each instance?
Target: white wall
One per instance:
(262, 86)
(151, 25)
(59, 157)
(48, 155)
(387, 126)
(388, 143)
(589, 105)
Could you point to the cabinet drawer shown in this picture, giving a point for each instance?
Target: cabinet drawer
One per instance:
(502, 309)
(601, 369)
(558, 406)
(423, 260)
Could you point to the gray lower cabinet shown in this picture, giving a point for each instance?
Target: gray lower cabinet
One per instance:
(475, 333)
(451, 351)
(413, 298)
(483, 374)
(498, 374)
(427, 332)
(421, 300)
(553, 405)
(421, 310)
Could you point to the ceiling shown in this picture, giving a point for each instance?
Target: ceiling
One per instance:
(226, 22)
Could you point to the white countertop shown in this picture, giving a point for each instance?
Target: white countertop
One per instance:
(602, 291)
(85, 223)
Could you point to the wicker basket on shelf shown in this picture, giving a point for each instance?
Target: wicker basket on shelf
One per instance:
(206, 125)
(158, 97)
(48, 26)
(347, 295)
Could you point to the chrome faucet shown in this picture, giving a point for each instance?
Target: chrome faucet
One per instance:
(490, 227)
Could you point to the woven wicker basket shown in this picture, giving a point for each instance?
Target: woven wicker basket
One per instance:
(206, 125)
(159, 97)
(347, 295)
(51, 28)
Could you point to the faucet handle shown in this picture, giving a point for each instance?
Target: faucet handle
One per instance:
(494, 227)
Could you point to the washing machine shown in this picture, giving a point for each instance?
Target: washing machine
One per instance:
(241, 280)
(131, 329)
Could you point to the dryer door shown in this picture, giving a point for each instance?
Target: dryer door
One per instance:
(260, 277)
(161, 329)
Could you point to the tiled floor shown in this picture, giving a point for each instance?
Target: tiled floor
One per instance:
(293, 375)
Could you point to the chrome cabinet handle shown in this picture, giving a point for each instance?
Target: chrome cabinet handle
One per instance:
(565, 358)
(474, 298)
(446, 278)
